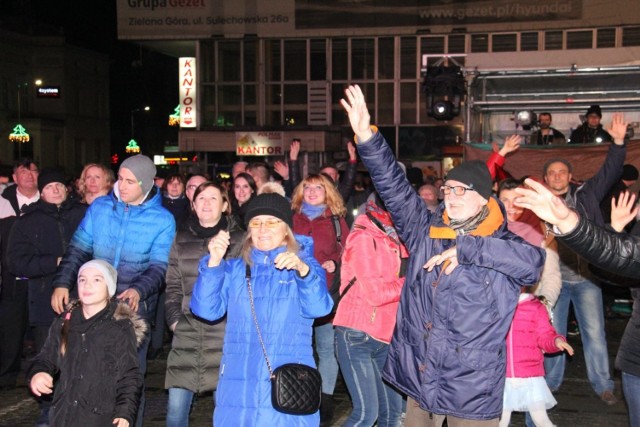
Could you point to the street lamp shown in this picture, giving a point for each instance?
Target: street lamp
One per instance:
(135, 110)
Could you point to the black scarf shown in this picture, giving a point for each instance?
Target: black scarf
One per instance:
(206, 232)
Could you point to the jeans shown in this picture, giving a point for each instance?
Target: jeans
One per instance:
(142, 364)
(179, 407)
(586, 298)
(631, 388)
(361, 360)
(327, 363)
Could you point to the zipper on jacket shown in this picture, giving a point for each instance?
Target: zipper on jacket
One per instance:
(373, 314)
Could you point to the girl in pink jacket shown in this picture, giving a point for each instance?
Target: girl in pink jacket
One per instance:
(531, 334)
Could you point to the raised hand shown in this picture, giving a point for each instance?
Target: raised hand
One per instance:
(351, 147)
(623, 210)
(618, 128)
(218, 246)
(294, 150)
(511, 144)
(356, 108)
(546, 205)
(282, 169)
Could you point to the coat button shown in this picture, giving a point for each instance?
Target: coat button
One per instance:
(75, 403)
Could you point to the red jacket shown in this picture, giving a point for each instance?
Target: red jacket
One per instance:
(321, 230)
(530, 335)
(371, 303)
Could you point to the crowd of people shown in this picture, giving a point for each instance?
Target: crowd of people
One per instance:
(436, 300)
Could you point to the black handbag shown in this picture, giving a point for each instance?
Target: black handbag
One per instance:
(296, 388)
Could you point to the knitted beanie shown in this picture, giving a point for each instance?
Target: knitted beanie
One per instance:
(269, 204)
(143, 169)
(108, 272)
(475, 174)
(48, 176)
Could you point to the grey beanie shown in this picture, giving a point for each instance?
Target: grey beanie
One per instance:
(143, 169)
(108, 272)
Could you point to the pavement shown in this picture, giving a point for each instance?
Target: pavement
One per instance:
(577, 405)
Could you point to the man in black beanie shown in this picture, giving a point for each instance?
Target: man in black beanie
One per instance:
(591, 131)
(463, 280)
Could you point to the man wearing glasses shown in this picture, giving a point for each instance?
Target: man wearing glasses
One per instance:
(464, 277)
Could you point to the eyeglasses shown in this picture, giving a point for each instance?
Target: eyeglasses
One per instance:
(191, 187)
(458, 191)
(270, 223)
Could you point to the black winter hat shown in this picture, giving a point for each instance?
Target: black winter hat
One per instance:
(48, 176)
(269, 204)
(475, 174)
(594, 109)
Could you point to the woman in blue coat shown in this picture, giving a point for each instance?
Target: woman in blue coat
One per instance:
(289, 292)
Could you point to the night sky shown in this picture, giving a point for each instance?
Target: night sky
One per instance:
(139, 77)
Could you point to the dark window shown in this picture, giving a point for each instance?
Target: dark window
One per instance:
(504, 43)
(631, 36)
(606, 37)
(580, 39)
(456, 43)
(528, 41)
(479, 43)
(553, 40)
(318, 62)
(408, 65)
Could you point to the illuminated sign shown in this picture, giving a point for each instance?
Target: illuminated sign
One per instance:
(188, 100)
(259, 144)
(48, 92)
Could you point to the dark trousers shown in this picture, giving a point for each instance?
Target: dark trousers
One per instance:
(159, 325)
(13, 325)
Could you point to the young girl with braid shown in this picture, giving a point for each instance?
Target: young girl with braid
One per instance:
(91, 351)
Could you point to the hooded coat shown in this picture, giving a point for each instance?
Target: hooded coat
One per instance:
(99, 376)
(448, 348)
(285, 305)
(134, 239)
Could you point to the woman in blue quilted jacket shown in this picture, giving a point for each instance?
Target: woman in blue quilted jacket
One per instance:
(288, 288)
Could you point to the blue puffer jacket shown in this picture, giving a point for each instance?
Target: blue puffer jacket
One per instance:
(448, 348)
(136, 240)
(286, 305)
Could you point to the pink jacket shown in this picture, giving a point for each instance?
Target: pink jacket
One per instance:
(371, 303)
(530, 335)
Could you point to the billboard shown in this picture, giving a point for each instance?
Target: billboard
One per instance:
(201, 19)
(259, 144)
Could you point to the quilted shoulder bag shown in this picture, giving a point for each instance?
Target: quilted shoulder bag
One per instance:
(295, 387)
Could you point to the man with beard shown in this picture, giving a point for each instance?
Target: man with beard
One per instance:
(546, 135)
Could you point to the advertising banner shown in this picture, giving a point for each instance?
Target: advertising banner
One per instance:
(188, 99)
(259, 144)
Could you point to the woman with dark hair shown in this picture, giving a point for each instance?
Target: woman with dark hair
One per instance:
(277, 287)
(318, 211)
(244, 189)
(196, 350)
(173, 197)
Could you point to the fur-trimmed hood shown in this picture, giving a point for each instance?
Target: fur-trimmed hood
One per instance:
(119, 311)
(123, 312)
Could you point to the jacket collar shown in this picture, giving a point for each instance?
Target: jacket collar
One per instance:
(492, 223)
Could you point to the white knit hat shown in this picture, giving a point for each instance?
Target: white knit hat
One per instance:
(108, 272)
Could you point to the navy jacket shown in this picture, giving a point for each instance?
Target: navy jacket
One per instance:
(448, 347)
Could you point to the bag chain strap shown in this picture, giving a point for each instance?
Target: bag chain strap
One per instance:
(255, 321)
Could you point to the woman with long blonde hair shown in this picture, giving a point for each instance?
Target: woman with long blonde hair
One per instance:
(318, 210)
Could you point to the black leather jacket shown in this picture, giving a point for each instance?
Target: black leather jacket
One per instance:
(619, 253)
